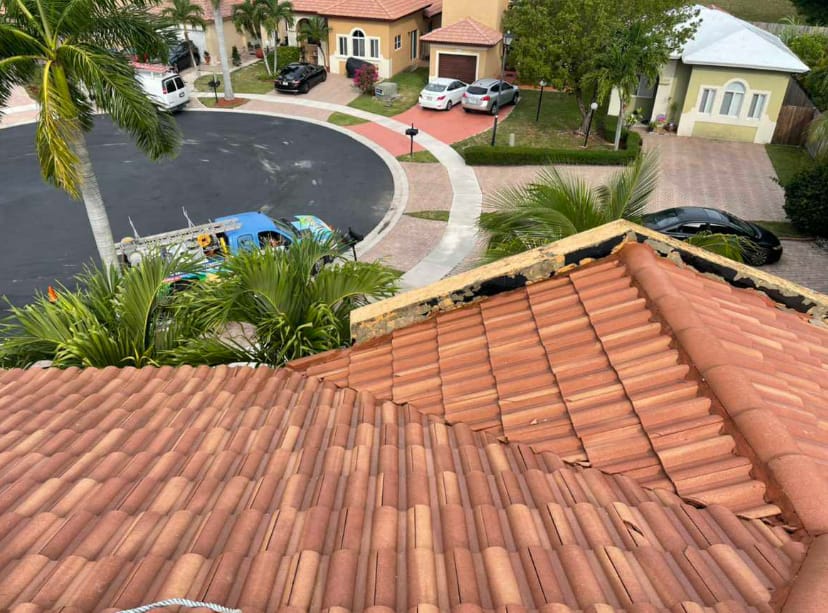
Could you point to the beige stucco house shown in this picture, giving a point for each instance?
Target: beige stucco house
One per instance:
(728, 82)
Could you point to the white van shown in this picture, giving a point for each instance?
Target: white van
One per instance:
(163, 86)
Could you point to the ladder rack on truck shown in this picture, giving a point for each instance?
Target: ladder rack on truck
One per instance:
(175, 237)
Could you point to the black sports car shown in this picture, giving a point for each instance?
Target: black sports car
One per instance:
(685, 221)
(300, 77)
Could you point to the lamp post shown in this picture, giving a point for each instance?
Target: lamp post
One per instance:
(507, 42)
(540, 99)
(592, 108)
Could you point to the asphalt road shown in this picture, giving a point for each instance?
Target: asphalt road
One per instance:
(229, 163)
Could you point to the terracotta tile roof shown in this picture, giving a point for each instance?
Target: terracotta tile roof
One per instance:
(269, 491)
(435, 9)
(578, 365)
(385, 10)
(464, 32)
(311, 6)
(206, 8)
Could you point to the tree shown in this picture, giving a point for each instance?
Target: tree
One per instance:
(561, 41)
(218, 20)
(556, 206)
(818, 137)
(816, 11)
(247, 20)
(274, 12)
(185, 13)
(67, 46)
(316, 29)
(632, 53)
(111, 319)
(287, 303)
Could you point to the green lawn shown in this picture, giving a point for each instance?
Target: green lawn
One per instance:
(782, 229)
(788, 161)
(409, 86)
(759, 10)
(423, 157)
(432, 215)
(341, 119)
(251, 79)
(556, 127)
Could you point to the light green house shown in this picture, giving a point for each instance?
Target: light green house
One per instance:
(728, 82)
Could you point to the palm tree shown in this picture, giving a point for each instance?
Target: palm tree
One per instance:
(111, 319)
(273, 13)
(247, 19)
(185, 13)
(218, 20)
(556, 206)
(291, 305)
(316, 29)
(67, 46)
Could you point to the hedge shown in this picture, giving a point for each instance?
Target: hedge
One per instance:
(481, 155)
(286, 56)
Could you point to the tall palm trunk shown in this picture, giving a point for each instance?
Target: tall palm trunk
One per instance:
(93, 201)
(225, 64)
(618, 126)
(263, 38)
(190, 49)
(275, 52)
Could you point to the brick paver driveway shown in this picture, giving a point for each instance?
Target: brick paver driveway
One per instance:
(737, 177)
(450, 126)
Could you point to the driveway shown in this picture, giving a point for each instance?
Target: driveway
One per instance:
(450, 126)
(736, 177)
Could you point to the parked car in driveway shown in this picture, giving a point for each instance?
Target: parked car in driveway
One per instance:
(686, 221)
(299, 77)
(442, 94)
(180, 55)
(485, 95)
(164, 87)
(352, 64)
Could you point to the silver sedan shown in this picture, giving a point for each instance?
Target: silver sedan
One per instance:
(485, 95)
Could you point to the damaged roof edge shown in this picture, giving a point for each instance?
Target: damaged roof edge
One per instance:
(405, 309)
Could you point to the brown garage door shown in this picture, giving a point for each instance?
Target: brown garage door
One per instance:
(463, 67)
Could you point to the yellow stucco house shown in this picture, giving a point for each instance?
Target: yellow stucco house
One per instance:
(728, 82)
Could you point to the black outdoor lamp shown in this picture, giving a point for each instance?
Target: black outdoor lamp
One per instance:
(411, 132)
(507, 42)
(540, 99)
(215, 84)
(592, 108)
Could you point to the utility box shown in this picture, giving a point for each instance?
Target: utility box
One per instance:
(387, 90)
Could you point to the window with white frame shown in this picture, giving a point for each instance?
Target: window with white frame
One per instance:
(397, 42)
(342, 44)
(757, 106)
(646, 88)
(374, 44)
(358, 43)
(734, 95)
(707, 100)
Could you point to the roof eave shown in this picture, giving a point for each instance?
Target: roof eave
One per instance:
(720, 64)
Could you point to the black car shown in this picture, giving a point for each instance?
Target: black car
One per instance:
(352, 64)
(180, 55)
(300, 77)
(686, 221)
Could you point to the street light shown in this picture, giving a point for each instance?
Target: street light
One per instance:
(542, 84)
(592, 108)
(507, 42)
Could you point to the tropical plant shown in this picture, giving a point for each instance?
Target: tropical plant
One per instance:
(247, 20)
(185, 13)
(556, 206)
(316, 30)
(282, 304)
(365, 77)
(818, 137)
(67, 45)
(806, 200)
(273, 13)
(110, 319)
(630, 55)
(218, 21)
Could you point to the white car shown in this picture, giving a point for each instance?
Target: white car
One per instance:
(442, 94)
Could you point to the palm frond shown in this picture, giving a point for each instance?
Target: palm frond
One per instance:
(626, 194)
(737, 248)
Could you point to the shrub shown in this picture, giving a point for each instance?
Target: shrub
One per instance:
(236, 58)
(811, 48)
(286, 55)
(365, 78)
(806, 201)
(483, 155)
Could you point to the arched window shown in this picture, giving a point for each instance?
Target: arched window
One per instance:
(358, 43)
(734, 95)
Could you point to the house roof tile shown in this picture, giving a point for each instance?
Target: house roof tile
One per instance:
(269, 490)
(385, 10)
(435, 9)
(464, 32)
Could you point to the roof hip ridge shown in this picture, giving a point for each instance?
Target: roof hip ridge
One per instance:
(794, 476)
